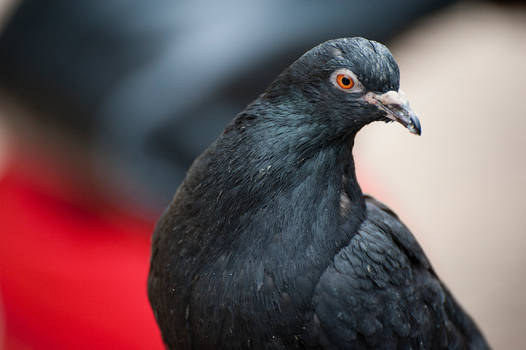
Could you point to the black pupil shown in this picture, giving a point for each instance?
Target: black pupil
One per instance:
(346, 81)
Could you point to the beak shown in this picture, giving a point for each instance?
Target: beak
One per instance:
(396, 107)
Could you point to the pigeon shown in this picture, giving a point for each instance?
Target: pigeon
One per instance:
(269, 242)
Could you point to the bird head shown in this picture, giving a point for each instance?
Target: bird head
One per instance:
(345, 84)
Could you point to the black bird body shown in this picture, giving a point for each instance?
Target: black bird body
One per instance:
(270, 244)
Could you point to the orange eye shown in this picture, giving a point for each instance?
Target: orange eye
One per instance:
(344, 81)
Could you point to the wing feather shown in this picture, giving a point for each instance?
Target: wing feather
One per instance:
(381, 292)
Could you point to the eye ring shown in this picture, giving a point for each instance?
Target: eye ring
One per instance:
(344, 81)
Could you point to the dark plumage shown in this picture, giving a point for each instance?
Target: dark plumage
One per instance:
(269, 242)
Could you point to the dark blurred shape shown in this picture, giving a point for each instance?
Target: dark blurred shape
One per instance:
(149, 85)
(509, 2)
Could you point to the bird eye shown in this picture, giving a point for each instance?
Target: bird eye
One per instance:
(344, 81)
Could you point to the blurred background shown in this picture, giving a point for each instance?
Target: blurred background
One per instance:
(104, 104)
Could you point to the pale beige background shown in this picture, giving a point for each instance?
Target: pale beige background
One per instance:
(461, 185)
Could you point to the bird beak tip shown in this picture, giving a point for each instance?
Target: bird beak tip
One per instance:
(414, 126)
(396, 107)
